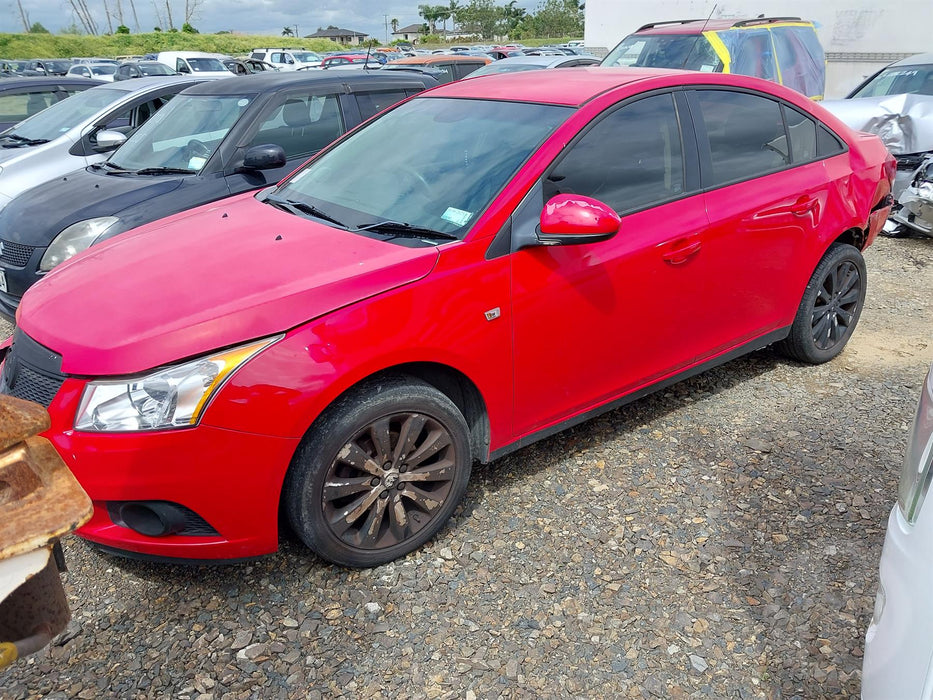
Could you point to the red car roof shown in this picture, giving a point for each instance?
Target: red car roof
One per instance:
(712, 25)
(562, 86)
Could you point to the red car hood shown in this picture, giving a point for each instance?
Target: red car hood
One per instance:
(216, 276)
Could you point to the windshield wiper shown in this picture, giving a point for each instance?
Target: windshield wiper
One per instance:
(299, 208)
(112, 167)
(23, 141)
(165, 171)
(403, 230)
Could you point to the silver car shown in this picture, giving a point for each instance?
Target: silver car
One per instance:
(79, 131)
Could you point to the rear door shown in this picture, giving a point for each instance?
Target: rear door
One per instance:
(766, 197)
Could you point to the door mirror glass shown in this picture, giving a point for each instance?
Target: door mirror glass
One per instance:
(264, 157)
(573, 218)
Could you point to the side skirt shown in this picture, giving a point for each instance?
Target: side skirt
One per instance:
(752, 346)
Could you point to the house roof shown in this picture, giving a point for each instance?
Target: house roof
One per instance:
(329, 33)
(410, 29)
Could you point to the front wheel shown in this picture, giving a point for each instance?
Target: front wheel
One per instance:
(830, 308)
(380, 473)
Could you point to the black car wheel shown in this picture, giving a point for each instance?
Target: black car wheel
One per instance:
(830, 308)
(380, 473)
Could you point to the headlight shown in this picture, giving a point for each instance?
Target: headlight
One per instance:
(73, 240)
(916, 473)
(173, 397)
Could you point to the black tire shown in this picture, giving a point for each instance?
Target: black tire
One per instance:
(353, 511)
(830, 308)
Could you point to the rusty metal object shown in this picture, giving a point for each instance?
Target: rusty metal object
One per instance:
(40, 501)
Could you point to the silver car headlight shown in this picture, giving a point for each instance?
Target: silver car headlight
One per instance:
(172, 397)
(916, 473)
(73, 240)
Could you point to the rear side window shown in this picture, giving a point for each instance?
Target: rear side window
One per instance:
(631, 159)
(15, 108)
(802, 133)
(371, 103)
(745, 134)
(827, 144)
(464, 68)
(302, 125)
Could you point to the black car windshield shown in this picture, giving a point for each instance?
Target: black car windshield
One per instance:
(155, 69)
(54, 121)
(438, 163)
(183, 134)
(897, 80)
(57, 66)
(684, 51)
(105, 69)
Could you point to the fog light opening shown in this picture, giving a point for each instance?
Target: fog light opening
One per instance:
(152, 519)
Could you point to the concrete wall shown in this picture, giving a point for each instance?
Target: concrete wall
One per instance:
(859, 36)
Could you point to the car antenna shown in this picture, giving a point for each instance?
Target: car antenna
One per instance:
(683, 66)
(368, 49)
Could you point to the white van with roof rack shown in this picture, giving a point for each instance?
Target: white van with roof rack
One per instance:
(198, 63)
(288, 59)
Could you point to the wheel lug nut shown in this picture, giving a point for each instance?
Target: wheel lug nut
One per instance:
(384, 494)
(400, 486)
(403, 468)
(374, 481)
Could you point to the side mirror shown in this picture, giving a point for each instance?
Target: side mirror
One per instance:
(572, 218)
(265, 156)
(183, 68)
(108, 140)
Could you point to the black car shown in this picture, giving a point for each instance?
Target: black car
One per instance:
(212, 140)
(23, 97)
(47, 66)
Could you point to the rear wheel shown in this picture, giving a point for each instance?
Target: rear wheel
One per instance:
(830, 308)
(380, 473)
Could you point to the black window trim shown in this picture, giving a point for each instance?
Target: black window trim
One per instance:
(703, 140)
(688, 143)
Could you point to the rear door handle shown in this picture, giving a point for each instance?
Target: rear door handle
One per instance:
(679, 250)
(804, 206)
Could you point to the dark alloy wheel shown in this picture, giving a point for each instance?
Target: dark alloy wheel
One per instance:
(380, 474)
(830, 308)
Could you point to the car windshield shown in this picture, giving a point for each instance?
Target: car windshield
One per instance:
(505, 68)
(182, 135)
(203, 65)
(439, 163)
(54, 121)
(684, 51)
(306, 56)
(897, 80)
(57, 66)
(107, 69)
(155, 69)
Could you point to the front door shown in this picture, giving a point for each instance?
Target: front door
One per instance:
(595, 321)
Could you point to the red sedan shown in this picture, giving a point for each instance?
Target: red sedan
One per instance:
(525, 252)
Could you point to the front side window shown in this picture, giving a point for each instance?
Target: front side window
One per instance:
(630, 159)
(184, 134)
(745, 132)
(439, 163)
(60, 117)
(302, 125)
(206, 65)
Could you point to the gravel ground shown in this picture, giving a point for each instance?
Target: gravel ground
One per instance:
(718, 539)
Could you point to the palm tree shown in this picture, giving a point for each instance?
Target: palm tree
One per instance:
(287, 31)
(431, 15)
(394, 25)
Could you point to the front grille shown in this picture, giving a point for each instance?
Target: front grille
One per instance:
(15, 254)
(31, 371)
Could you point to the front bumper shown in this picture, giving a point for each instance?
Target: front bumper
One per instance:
(898, 645)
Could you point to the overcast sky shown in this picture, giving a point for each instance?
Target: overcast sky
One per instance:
(247, 16)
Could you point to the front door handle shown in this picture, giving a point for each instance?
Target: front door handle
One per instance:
(681, 249)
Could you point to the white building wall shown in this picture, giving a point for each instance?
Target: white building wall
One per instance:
(859, 36)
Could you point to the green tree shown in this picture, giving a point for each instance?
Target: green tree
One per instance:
(482, 17)
(37, 28)
(157, 29)
(287, 31)
(431, 14)
(122, 29)
(72, 29)
(394, 24)
(188, 29)
(558, 18)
